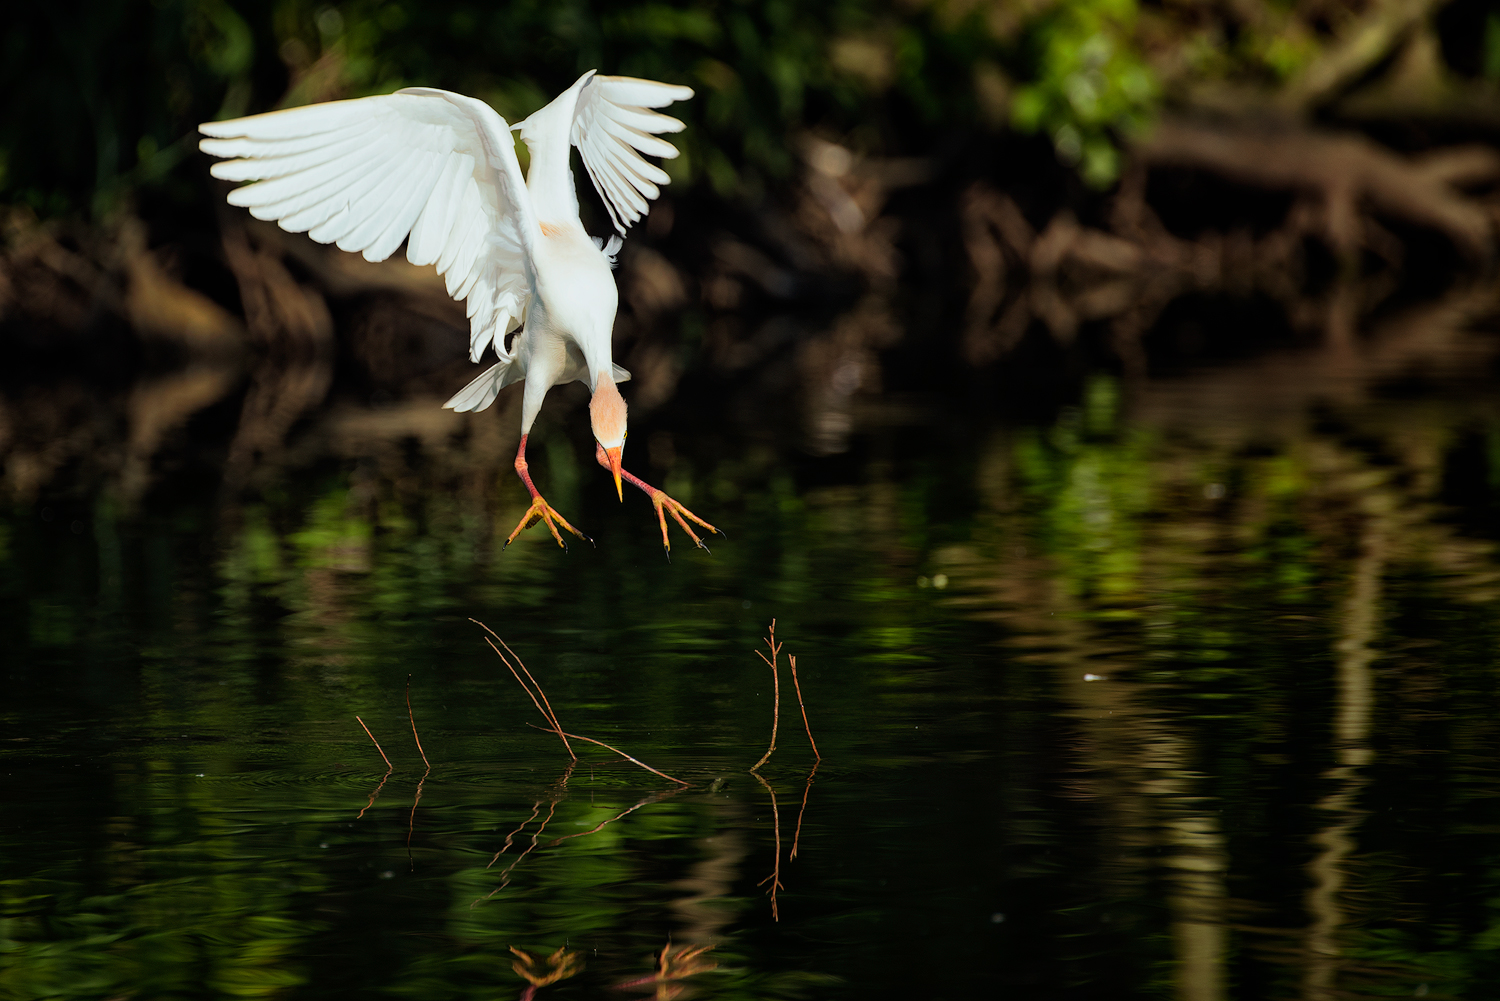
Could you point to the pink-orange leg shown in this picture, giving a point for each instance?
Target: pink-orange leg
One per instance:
(540, 510)
(664, 505)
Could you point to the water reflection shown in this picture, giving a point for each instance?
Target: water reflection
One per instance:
(1202, 707)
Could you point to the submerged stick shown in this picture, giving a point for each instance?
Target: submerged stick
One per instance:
(390, 767)
(801, 705)
(621, 753)
(775, 694)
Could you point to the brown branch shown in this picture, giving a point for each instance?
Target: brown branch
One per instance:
(801, 705)
(775, 693)
(414, 733)
(547, 713)
(1358, 48)
(621, 753)
(1346, 170)
(389, 767)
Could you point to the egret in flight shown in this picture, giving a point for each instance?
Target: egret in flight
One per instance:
(439, 171)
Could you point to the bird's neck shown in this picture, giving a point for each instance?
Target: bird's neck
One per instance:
(554, 197)
(549, 180)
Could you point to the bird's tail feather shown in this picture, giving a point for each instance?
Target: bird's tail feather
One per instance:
(480, 393)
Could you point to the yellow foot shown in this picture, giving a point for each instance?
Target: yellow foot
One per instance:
(540, 510)
(666, 505)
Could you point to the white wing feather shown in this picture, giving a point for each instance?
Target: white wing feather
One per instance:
(612, 127)
(433, 168)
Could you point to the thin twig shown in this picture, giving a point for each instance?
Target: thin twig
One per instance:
(524, 687)
(390, 767)
(792, 660)
(552, 716)
(775, 693)
(621, 753)
(775, 878)
(547, 713)
(805, 792)
(414, 726)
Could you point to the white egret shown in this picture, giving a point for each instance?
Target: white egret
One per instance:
(439, 171)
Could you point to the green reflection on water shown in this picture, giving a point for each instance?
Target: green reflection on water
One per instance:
(1153, 699)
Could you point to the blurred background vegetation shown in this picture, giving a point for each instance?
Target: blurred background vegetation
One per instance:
(872, 198)
(102, 98)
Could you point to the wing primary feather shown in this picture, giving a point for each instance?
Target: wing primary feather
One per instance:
(373, 209)
(468, 249)
(464, 211)
(646, 121)
(627, 158)
(625, 164)
(295, 123)
(472, 278)
(257, 149)
(300, 192)
(641, 93)
(281, 164)
(401, 223)
(626, 197)
(609, 205)
(306, 189)
(433, 224)
(643, 141)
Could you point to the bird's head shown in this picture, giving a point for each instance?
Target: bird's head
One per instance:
(607, 413)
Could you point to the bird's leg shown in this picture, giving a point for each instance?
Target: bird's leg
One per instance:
(664, 505)
(540, 510)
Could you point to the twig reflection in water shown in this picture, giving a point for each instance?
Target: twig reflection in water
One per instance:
(539, 971)
(674, 963)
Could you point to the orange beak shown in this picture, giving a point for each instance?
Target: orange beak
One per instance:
(616, 455)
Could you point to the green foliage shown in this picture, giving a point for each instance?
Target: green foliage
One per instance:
(1089, 84)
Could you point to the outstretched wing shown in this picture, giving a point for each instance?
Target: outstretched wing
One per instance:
(433, 168)
(612, 127)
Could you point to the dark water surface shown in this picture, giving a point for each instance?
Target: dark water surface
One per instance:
(1188, 691)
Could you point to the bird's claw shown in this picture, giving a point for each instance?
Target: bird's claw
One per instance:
(666, 505)
(541, 511)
